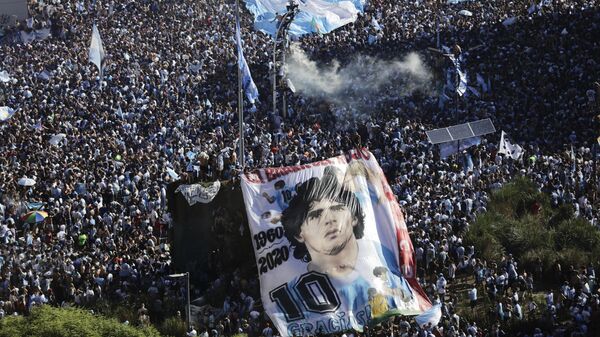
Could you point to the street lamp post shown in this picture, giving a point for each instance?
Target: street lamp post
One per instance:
(241, 160)
(437, 24)
(283, 102)
(188, 315)
(275, 63)
(292, 9)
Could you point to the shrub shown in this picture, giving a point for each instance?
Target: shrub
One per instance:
(516, 198)
(12, 326)
(70, 322)
(173, 326)
(513, 224)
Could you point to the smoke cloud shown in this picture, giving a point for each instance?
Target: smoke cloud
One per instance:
(360, 83)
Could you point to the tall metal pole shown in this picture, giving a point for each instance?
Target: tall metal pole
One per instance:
(437, 25)
(188, 310)
(275, 62)
(241, 160)
(284, 107)
(456, 94)
(595, 148)
(274, 69)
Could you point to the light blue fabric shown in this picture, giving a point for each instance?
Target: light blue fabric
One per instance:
(449, 148)
(247, 82)
(433, 316)
(307, 20)
(353, 295)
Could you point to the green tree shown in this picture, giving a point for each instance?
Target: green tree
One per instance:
(48, 321)
(520, 220)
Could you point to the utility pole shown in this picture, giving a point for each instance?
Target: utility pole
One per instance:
(284, 25)
(241, 160)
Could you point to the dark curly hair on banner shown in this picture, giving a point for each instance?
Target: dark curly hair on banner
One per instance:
(314, 190)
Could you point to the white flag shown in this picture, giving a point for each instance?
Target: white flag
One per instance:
(6, 113)
(512, 150)
(57, 139)
(172, 174)
(290, 85)
(96, 49)
(4, 76)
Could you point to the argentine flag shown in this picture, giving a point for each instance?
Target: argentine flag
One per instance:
(314, 16)
(247, 81)
(461, 87)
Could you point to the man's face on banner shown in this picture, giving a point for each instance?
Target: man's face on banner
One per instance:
(328, 227)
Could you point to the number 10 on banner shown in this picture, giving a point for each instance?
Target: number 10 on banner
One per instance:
(312, 293)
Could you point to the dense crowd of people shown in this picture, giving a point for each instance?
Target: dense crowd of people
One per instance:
(101, 151)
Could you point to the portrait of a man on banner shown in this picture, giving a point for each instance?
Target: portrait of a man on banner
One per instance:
(332, 248)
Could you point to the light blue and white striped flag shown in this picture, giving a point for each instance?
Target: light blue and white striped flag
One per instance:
(462, 84)
(247, 82)
(481, 81)
(314, 16)
(431, 316)
(461, 87)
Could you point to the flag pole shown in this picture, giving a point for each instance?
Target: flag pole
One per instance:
(284, 107)
(240, 91)
(281, 24)
(437, 25)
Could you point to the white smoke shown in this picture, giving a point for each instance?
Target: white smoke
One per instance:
(359, 83)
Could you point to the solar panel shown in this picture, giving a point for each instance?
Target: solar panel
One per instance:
(482, 127)
(461, 131)
(439, 136)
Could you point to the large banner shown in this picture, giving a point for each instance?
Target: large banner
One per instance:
(315, 16)
(331, 245)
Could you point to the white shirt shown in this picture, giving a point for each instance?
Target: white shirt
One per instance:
(441, 285)
(473, 294)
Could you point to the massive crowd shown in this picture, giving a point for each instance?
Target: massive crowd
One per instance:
(167, 101)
